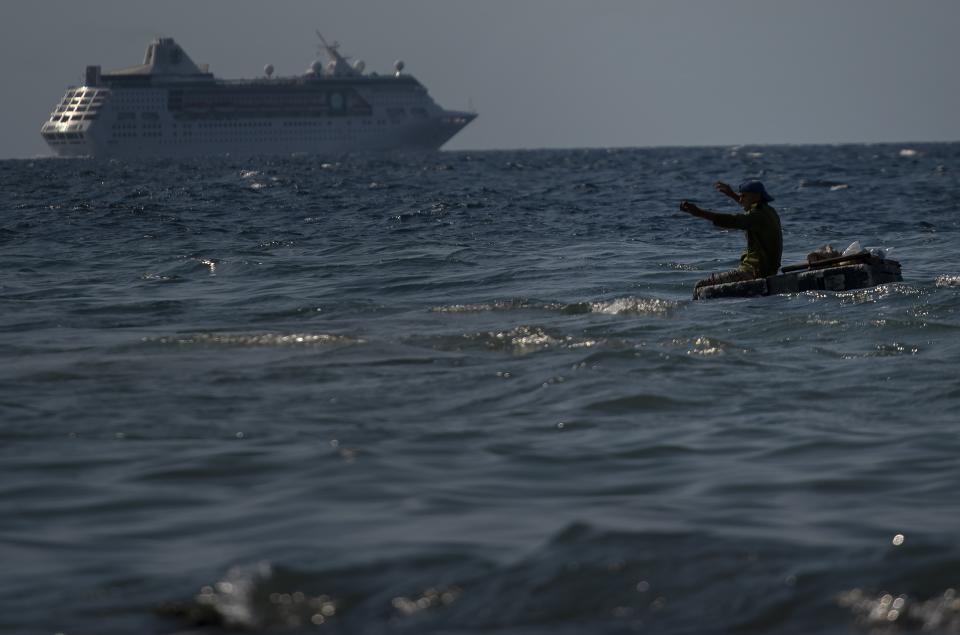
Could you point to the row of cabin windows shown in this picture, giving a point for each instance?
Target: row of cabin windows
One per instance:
(76, 114)
(83, 108)
(141, 99)
(314, 124)
(84, 94)
(85, 104)
(234, 124)
(76, 138)
(146, 116)
(87, 117)
(63, 137)
(238, 134)
(79, 103)
(224, 139)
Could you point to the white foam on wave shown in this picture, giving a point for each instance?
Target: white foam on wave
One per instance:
(704, 346)
(875, 294)
(529, 339)
(253, 598)
(642, 306)
(681, 266)
(939, 614)
(831, 185)
(816, 319)
(948, 281)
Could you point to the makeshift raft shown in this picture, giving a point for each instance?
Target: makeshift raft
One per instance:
(857, 271)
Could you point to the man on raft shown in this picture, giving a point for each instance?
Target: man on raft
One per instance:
(761, 224)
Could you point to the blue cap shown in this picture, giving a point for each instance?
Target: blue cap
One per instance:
(756, 186)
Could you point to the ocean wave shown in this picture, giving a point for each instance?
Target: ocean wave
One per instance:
(823, 183)
(642, 402)
(626, 305)
(251, 340)
(584, 579)
(884, 349)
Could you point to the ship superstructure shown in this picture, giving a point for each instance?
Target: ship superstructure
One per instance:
(171, 107)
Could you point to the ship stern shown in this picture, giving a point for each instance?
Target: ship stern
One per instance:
(71, 129)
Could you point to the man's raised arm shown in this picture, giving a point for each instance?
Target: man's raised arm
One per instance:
(727, 221)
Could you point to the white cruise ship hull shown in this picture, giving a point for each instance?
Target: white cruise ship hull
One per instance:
(255, 137)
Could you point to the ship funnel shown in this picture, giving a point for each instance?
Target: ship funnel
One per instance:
(165, 57)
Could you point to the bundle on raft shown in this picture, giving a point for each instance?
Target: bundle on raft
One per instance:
(856, 271)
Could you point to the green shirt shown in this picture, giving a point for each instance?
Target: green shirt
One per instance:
(764, 238)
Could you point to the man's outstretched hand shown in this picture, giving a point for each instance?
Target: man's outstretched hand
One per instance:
(695, 210)
(725, 189)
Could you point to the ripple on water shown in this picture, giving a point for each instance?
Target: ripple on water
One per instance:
(643, 402)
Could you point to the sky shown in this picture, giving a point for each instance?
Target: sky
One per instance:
(544, 73)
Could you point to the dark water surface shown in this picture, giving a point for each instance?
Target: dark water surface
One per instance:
(469, 393)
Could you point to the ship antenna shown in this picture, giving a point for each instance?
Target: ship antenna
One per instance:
(323, 41)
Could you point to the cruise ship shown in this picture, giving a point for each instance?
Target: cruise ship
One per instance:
(171, 107)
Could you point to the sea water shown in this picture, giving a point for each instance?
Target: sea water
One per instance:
(469, 392)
